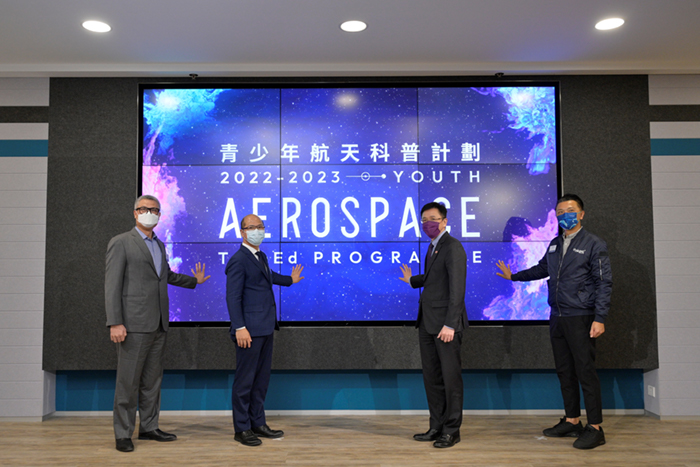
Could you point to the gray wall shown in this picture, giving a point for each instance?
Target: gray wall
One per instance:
(23, 118)
(674, 389)
(93, 151)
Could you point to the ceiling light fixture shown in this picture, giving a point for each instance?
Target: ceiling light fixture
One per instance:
(610, 23)
(97, 26)
(353, 26)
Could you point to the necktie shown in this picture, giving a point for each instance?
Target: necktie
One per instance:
(429, 256)
(263, 259)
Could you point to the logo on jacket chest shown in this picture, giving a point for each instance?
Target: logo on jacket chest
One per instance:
(580, 252)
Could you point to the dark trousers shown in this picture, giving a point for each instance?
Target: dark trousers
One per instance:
(253, 367)
(442, 376)
(574, 358)
(139, 377)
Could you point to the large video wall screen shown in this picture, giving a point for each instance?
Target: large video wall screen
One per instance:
(339, 175)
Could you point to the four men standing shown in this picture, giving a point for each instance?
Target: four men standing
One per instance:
(137, 275)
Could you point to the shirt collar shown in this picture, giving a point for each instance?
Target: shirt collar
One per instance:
(252, 250)
(144, 236)
(570, 236)
(437, 239)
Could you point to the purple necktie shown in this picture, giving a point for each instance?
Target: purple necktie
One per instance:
(429, 256)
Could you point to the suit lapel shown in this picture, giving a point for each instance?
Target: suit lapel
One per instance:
(163, 257)
(141, 245)
(257, 262)
(436, 252)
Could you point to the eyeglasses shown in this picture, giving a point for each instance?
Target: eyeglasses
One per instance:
(254, 227)
(144, 210)
(432, 219)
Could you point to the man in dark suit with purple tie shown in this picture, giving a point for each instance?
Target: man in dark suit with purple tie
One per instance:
(442, 318)
(253, 312)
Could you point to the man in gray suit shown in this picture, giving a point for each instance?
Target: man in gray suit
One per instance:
(137, 275)
(442, 317)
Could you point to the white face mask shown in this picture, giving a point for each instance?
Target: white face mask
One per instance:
(148, 219)
(255, 237)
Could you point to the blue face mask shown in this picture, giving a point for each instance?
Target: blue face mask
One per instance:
(255, 237)
(568, 220)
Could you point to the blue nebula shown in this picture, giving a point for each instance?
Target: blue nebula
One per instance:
(532, 109)
(175, 111)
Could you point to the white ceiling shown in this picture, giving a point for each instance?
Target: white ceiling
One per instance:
(303, 38)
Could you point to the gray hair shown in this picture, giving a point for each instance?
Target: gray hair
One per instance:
(149, 197)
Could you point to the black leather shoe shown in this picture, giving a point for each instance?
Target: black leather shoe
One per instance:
(157, 435)
(447, 441)
(247, 438)
(125, 445)
(430, 435)
(267, 432)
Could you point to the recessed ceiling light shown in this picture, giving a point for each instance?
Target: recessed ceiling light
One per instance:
(353, 26)
(610, 23)
(97, 26)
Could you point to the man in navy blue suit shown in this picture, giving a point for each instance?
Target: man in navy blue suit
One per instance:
(253, 312)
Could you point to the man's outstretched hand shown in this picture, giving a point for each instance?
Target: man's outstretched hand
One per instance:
(199, 275)
(505, 270)
(407, 273)
(296, 273)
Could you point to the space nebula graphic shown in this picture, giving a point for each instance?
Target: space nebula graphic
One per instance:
(338, 176)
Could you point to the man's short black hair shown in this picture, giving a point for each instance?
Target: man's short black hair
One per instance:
(439, 206)
(571, 197)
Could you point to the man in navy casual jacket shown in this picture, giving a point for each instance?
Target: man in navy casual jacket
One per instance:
(580, 284)
(252, 308)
